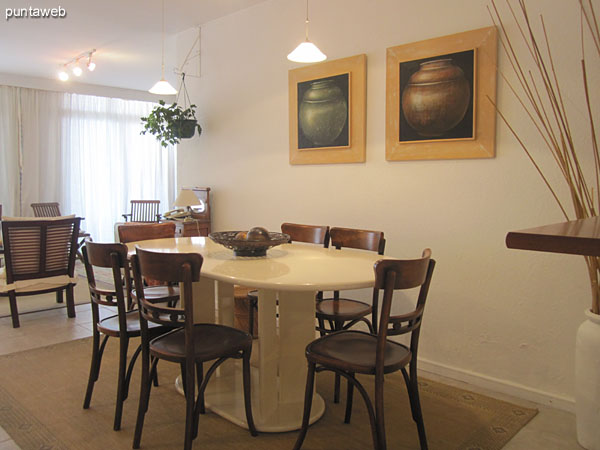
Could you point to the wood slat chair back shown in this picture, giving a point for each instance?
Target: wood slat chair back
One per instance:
(38, 249)
(312, 234)
(50, 209)
(349, 352)
(143, 211)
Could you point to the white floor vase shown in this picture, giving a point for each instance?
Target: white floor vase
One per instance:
(587, 379)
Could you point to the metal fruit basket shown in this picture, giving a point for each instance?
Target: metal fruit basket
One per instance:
(243, 247)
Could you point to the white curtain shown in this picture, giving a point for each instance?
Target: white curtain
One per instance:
(9, 151)
(86, 152)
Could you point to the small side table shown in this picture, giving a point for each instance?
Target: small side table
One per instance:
(191, 228)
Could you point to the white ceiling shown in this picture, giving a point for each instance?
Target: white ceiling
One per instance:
(126, 34)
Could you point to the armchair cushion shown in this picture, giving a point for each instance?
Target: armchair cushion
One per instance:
(36, 284)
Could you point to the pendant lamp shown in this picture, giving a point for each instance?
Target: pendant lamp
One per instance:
(307, 52)
(163, 87)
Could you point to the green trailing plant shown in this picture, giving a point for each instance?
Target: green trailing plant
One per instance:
(540, 95)
(171, 123)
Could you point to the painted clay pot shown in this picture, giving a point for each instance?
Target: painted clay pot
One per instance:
(436, 97)
(323, 112)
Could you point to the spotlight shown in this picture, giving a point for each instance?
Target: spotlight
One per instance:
(91, 65)
(77, 64)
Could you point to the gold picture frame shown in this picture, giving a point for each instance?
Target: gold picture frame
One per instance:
(440, 96)
(327, 104)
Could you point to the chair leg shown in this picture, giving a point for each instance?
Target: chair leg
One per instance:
(97, 350)
(121, 383)
(70, 301)
(349, 395)
(200, 407)
(248, 393)
(145, 386)
(379, 412)
(14, 312)
(189, 405)
(251, 305)
(308, 395)
(59, 297)
(415, 404)
(337, 325)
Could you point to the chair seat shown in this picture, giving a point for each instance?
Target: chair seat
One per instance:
(342, 309)
(35, 284)
(211, 341)
(110, 325)
(355, 351)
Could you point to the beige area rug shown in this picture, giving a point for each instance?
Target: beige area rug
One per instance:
(45, 302)
(42, 391)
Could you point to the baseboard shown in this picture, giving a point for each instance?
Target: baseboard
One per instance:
(499, 385)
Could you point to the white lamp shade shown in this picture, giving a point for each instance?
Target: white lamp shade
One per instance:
(163, 88)
(307, 52)
(186, 198)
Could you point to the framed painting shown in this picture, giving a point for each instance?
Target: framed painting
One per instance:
(327, 112)
(440, 96)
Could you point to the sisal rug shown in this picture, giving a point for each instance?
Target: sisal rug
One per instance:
(42, 390)
(45, 302)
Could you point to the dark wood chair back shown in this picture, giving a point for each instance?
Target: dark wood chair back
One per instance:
(50, 209)
(312, 234)
(39, 248)
(144, 211)
(167, 268)
(131, 232)
(114, 257)
(359, 239)
(392, 275)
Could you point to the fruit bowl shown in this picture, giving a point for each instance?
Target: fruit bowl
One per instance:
(243, 247)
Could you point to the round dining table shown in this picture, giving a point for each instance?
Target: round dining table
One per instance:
(287, 280)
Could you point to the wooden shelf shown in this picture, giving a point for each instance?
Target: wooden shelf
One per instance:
(576, 237)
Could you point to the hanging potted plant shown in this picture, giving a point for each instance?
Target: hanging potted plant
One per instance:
(170, 124)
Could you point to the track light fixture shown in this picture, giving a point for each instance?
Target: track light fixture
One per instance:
(75, 65)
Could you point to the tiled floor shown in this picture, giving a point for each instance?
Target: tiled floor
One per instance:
(551, 429)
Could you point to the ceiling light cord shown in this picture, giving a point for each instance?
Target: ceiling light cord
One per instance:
(163, 41)
(306, 21)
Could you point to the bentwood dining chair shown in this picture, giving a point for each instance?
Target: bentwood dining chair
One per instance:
(143, 211)
(40, 258)
(123, 325)
(335, 314)
(349, 352)
(52, 209)
(311, 234)
(189, 344)
(131, 232)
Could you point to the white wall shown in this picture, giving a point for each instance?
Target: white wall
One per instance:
(497, 317)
